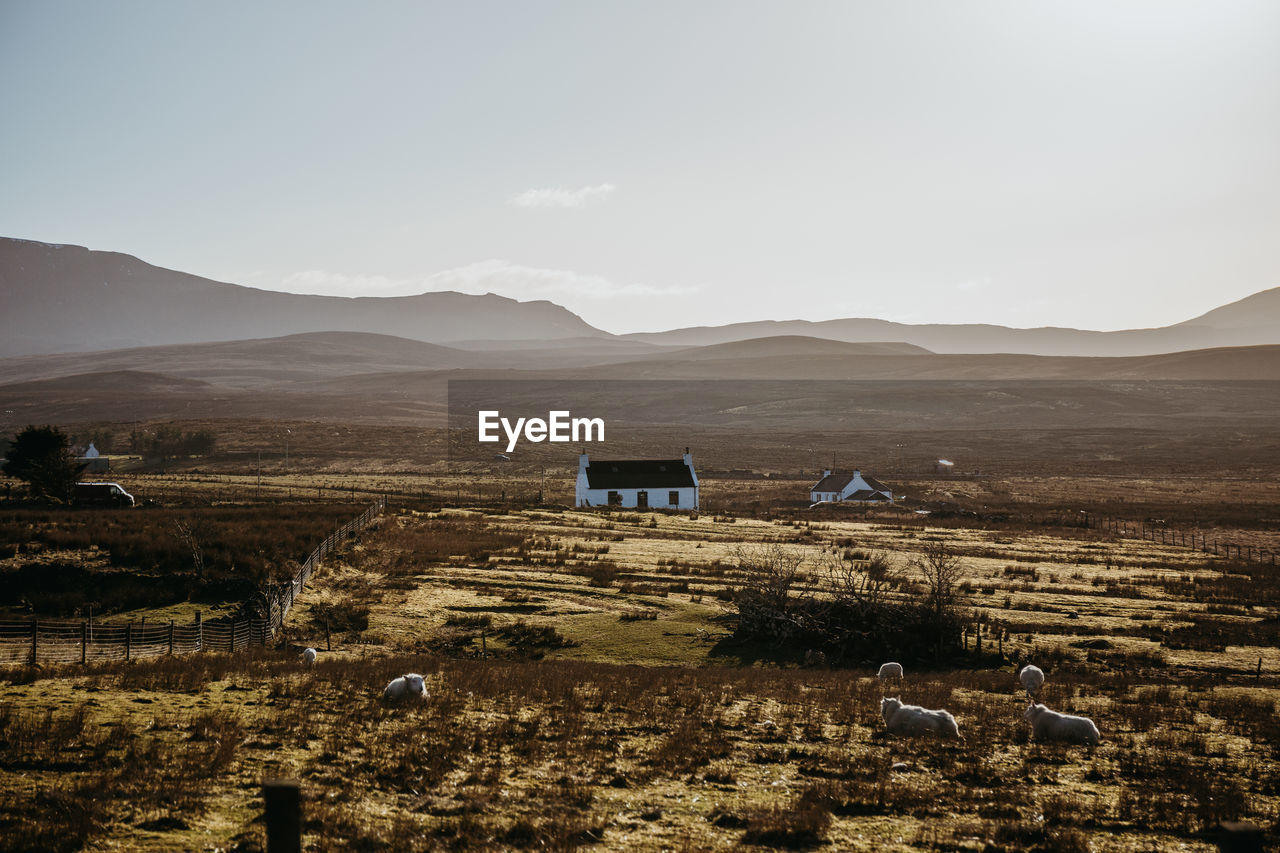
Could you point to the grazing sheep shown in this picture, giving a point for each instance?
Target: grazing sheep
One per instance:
(1032, 678)
(889, 670)
(911, 720)
(1051, 725)
(309, 656)
(411, 685)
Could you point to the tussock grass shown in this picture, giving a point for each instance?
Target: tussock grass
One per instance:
(622, 757)
(583, 748)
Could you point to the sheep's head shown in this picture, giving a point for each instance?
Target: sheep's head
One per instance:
(416, 683)
(888, 707)
(1033, 710)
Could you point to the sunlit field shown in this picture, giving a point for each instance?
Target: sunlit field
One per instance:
(587, 688)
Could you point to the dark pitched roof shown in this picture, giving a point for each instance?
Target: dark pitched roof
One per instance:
(839, 479)
(875, 484)
(834, 482)
(638, 474)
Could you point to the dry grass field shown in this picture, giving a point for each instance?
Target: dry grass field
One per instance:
(586, 688)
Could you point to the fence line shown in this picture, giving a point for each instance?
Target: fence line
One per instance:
(1180, 538)
(80, 641)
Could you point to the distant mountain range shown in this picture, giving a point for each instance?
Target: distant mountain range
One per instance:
(66, 299)
(69, 299)
(1252, 320)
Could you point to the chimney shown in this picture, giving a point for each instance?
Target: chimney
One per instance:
(826, 472)
(582, 459)
(688, 458)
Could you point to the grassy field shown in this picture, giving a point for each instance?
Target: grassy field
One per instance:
(586, 689)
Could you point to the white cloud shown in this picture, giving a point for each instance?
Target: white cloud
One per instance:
(560, 197)
(492, 276)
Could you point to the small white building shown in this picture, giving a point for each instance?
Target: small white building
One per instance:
(637, 483)
(945, 468)
(855, 487)
(94, 461)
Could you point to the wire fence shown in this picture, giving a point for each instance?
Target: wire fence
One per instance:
(70, 641)
(1195, 540)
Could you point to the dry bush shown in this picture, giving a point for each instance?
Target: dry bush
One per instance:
(442, 540)
(150, 554)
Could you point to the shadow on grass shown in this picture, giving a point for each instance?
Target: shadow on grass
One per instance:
(731, 651)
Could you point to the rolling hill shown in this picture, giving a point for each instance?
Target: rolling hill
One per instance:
(70, 299)
(1250, 321)
(59, 298)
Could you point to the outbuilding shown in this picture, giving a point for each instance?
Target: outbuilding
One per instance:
(856, 487)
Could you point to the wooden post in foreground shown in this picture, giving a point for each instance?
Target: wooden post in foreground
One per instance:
(284, 815)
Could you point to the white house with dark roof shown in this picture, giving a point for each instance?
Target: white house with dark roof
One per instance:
(856, 487)
(637, 483)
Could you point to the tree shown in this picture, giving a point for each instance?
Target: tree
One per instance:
(941, 567)
(766, 599)
(864, 584)
(42, 457)
(769, 571)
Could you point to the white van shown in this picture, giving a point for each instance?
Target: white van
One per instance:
(102, 494)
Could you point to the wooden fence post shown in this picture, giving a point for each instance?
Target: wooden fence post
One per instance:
(170, 636)
(284, 815)
(128, 640)
(327, 647)
(199, 633)
(84, 642)
(35, 629)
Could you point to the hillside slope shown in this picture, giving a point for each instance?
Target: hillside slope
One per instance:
(70, 299)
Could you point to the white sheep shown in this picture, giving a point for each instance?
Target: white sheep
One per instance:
(1052, 725)
(410, 685)
(911, 720)
(1032, 678)
(309, 656)
(889, 670)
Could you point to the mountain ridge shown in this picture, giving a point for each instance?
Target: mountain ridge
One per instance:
(62, 298)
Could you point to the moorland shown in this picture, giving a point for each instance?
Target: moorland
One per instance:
(599, 679)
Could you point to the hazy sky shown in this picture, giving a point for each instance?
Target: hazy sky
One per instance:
(653, 165)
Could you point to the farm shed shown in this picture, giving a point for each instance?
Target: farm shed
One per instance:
(855, 487)
(637, 483)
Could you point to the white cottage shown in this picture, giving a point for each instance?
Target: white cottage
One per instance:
(855, 487)
(638, 483)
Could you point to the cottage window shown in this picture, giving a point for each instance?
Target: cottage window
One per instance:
(673, 498)
(642, 499)
(615, 499)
